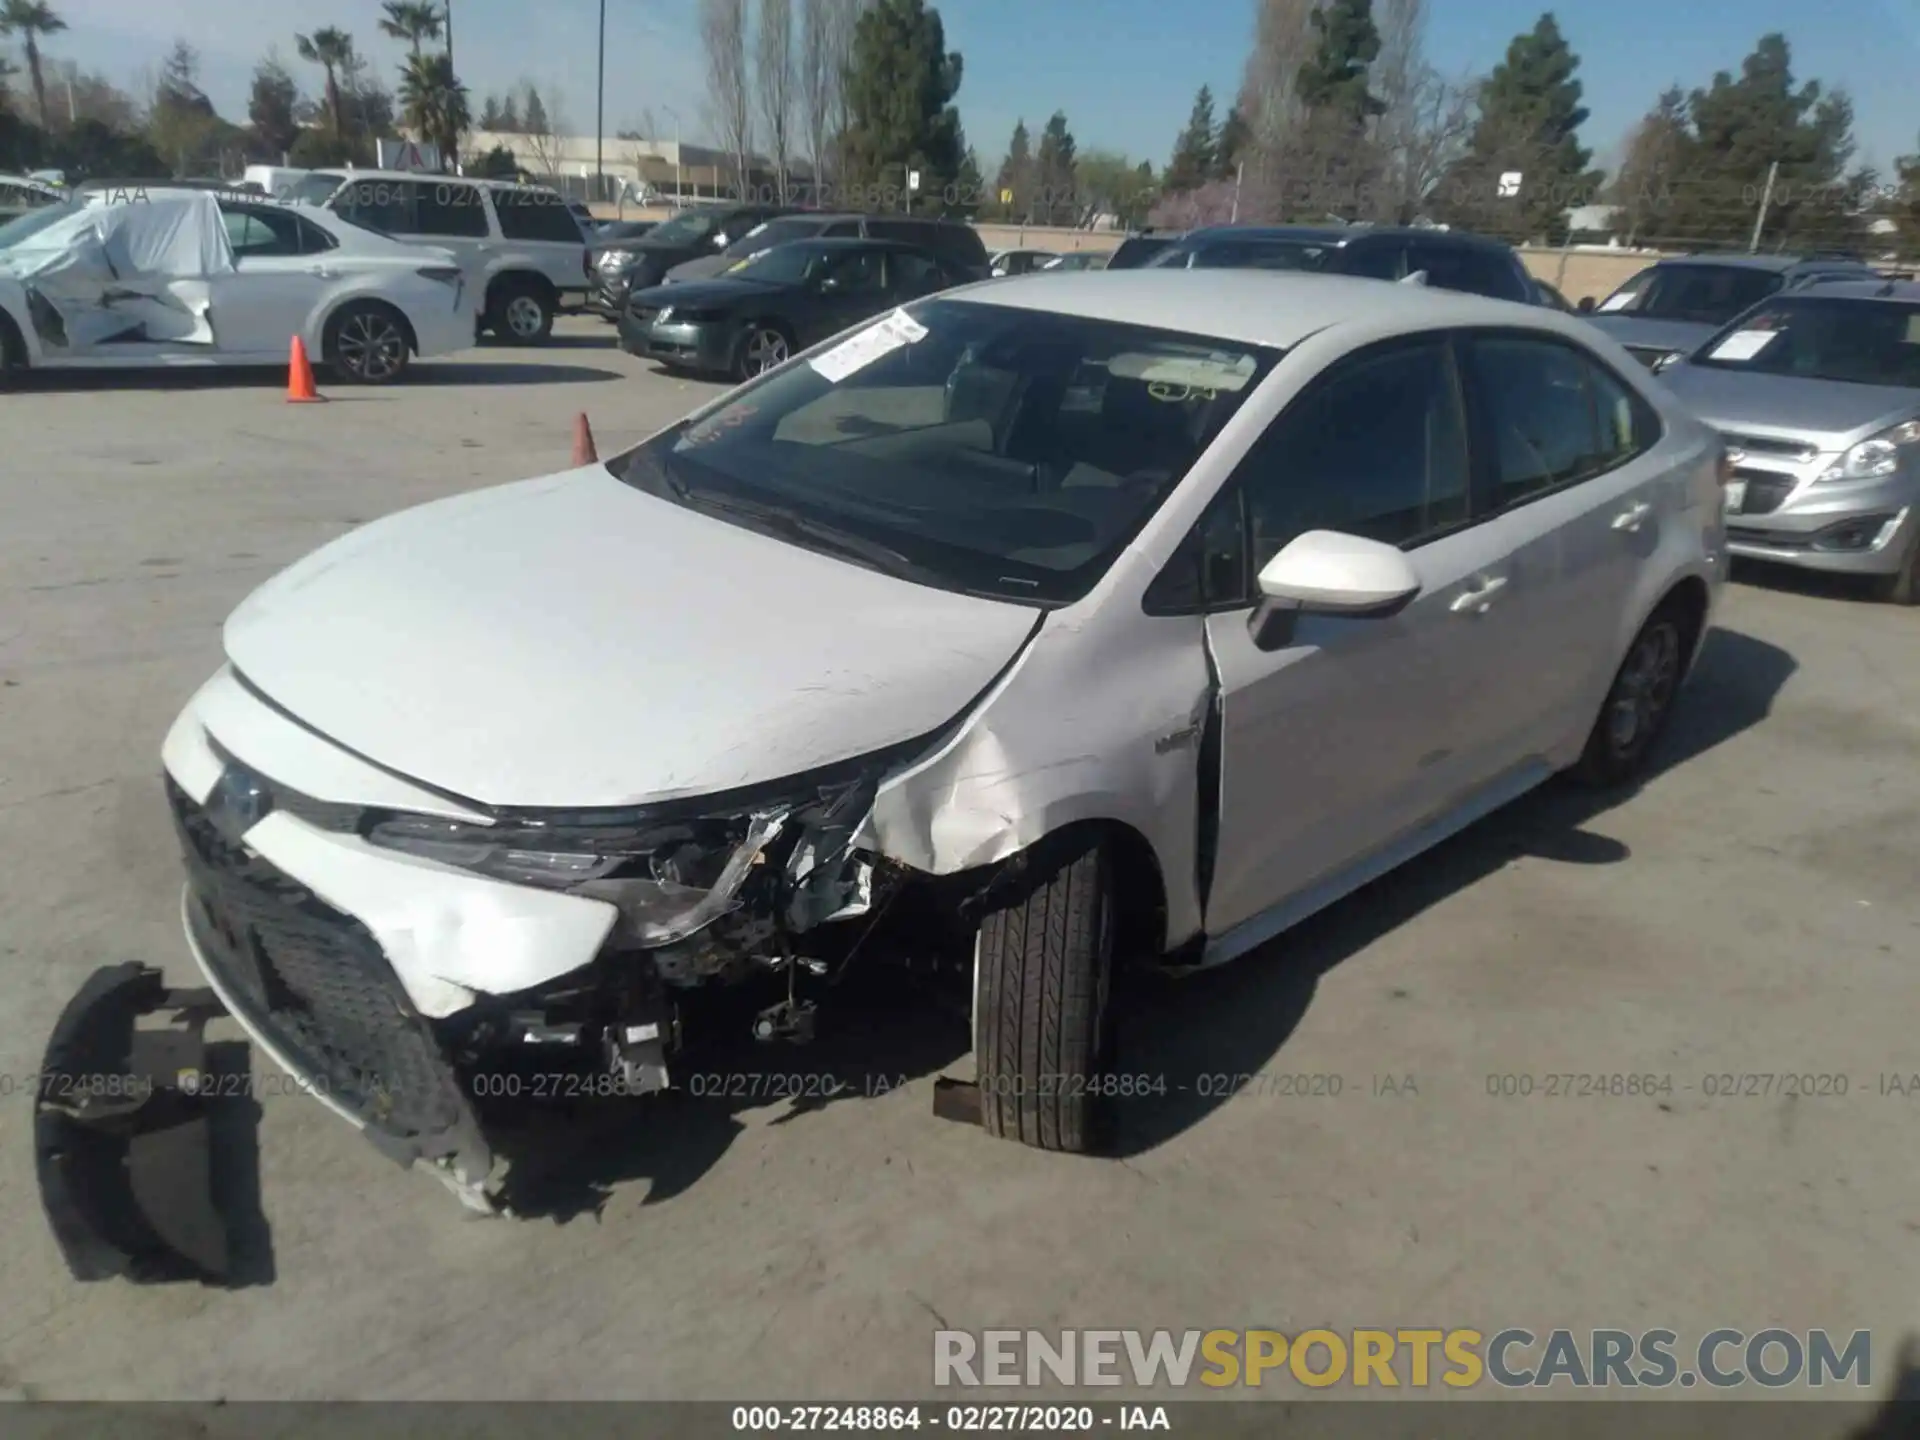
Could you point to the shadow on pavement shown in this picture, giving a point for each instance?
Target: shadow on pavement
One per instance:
(1234, 1020)
(424, 373)
(885, 1026)
(1790, 580)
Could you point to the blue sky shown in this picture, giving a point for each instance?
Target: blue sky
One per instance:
(1124, 71)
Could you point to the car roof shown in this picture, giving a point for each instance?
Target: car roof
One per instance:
(1339, 234)
(1251, 307)
(1773, 264)
(1906, 292)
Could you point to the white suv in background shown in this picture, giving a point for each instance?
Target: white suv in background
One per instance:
(519, 243)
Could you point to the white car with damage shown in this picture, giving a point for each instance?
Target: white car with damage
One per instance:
(1041, 625)
(131, 278)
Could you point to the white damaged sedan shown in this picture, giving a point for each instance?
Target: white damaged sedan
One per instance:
(1039, 625)
(121, 279)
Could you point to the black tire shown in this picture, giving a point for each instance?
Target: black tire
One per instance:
(13, 353)
(761, 346)
(1903, 587)
(520, 311)
(1042, 1027)
(1640, 701)
(367, 343)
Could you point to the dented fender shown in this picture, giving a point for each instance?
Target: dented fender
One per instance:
(1099, 719)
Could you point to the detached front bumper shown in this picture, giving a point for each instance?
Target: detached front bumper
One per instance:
(1846, 527)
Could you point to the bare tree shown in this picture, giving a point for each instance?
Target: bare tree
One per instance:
(844, 20)
(774, 78)
(1427, 119)
(1283, 39)
(723, 37)
(817, 80)
(543, 127)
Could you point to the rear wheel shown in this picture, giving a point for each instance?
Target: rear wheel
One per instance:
(1640, 700)
(367, 343)
(763, 346)
(1043, 969)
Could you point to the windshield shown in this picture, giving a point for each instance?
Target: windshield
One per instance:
(34, 221)
(1700, 294)
(785, 265)
(1860, 342)
(314, 189)
(684, 228)
(774, 232)
(981, 448)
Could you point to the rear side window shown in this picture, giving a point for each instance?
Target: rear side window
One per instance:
(527, 214)
(261, 232)
(1377, 448)
(1555, 416)
(453, 210)
(1468, 268)
(1379, 260)
(843, 230)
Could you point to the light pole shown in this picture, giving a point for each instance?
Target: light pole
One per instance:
(676, 151)
(600, 106)
(449, 11)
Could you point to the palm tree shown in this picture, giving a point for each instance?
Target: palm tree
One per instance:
(414, 21)
(31, 19)
(434, 103)
(332, 50)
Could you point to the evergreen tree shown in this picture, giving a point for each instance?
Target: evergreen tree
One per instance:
(1230, 147)
(270, 107)
(1054, 171)
(900, 84)
(1015, 181)
(1194, 153)
(1334, 78)
(534, 120)
(1529, 123)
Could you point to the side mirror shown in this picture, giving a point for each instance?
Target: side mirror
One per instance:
(1585, 307)
(1326, 572)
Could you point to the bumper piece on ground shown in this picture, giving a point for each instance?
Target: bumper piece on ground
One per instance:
(121, 1140)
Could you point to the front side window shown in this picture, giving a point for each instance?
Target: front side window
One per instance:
(391, 207)
(1461, 267)
(1859, 342)
(450, 208)
(854, 272)
(1377, 448)
(1554, 416)
(974, 447)
(1698, 294)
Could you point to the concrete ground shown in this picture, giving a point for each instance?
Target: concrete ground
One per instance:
(1751, 910)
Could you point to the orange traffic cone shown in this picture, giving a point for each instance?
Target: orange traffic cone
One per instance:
(583, 451)
(300, 389)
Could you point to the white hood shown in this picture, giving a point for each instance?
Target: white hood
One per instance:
(572, 641)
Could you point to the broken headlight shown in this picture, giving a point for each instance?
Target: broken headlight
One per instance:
(668, 879)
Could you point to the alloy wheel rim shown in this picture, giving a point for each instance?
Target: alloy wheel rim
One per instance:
(765, 349)
(524, 315)
(370, 346)
(1644, 690)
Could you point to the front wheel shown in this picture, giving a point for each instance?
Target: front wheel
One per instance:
(762, 347)
(1903, 587)
(367, 344)
(520, 312)
(1042, 972)
(1639, 703)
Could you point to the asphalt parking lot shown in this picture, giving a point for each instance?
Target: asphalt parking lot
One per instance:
(1752, 910)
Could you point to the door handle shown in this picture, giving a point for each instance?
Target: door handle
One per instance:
(1633, 517)
(323, 272)
(1480, 598)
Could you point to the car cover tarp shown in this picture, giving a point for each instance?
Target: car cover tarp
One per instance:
(128, 267)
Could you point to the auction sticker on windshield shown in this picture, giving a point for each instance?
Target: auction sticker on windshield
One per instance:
(1743, 344)
(869, 345)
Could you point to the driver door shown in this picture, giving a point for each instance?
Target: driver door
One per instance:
(850, 287)
(1350, 733)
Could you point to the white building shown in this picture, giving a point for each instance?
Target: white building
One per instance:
(666, 167)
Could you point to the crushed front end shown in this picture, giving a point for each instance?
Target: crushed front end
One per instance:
(406, 956)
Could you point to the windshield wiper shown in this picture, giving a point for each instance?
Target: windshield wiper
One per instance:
(871, 553)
